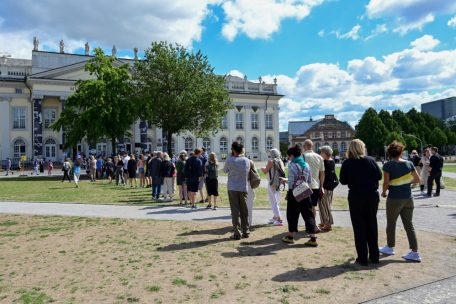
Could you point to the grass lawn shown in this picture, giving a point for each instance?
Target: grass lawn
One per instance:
(449, 168)
(91, 260)
(44, 189)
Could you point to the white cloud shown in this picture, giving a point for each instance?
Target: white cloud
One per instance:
(126, 24)
(427, 42)
(352, 34)
(258, 19)
(379, 29)
(452, 22)
(400, 80)
(409, 14)
(321, 33)
(236, 73)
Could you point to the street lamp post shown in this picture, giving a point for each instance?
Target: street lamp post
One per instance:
(411, 135)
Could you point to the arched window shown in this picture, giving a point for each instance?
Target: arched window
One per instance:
(269, 143)
(149, 144)
(19, 148)
(254, 144)
(189, 144)
(326, 143)
(240, 140)
(343, 147)
(207, 144)
(335, 146)
(49, 149)
(223, 144)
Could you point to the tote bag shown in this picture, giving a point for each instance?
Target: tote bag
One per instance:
(301, 189)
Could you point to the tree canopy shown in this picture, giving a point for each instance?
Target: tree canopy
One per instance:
(413, 128)
(100, 107)
(179, 91)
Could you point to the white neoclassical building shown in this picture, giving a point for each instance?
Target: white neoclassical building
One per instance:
(33, 94)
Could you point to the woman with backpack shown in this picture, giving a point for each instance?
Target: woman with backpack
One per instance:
(276, 171)
(212, 180)
(331, 182)
(299, 175)
(180, 178)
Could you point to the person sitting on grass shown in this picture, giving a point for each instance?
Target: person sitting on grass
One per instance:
(398, 175)
(298, 169)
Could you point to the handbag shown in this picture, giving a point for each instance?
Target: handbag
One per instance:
(254, 177)
(301, 189)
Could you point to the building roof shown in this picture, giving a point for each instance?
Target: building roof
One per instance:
(301, 127)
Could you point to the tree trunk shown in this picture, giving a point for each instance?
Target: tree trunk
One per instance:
(169, 137)
(113, 145)
(75, 152)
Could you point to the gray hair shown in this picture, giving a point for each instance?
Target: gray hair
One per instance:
(274, 153)
(327, 150)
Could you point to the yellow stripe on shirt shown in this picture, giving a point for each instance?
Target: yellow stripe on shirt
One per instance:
(403, 180)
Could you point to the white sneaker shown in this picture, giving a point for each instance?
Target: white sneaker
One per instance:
(271, 221)
(412, 256)
(277, 223)
(386, 250)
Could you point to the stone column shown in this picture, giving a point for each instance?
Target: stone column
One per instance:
(158, 145)
(262, 128)
(37, 128)
(5, 125)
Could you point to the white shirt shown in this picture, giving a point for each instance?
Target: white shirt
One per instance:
(125, 161)
(316, 165)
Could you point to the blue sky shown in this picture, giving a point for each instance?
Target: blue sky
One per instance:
(330, 56)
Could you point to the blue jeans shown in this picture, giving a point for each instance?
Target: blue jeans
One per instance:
(156, 187)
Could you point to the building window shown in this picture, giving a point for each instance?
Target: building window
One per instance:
(207, 144)
(269, 143)
(189, 144)
(239, 121)
(335, 146)
(342, 134)
(254, 144)
(18, 118)
(343, 147)
(19, 148)
(149, 144)
(269, 121)
(254, 121)
(50, 148)
(338, 134)
(49, 116)
(223, 144)
(173, 147)
(224, 124)
(240, 140)
(330, 135)
(18, 91)
(326, 143)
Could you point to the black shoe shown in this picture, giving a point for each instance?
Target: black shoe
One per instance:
(429, 194)
(359, 262)
(235, 237)
(437, 194)
(374, 261)
(245, 235)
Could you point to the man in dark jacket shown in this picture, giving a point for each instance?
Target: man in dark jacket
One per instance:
(156, 175)
(193, 171)
(436, 164)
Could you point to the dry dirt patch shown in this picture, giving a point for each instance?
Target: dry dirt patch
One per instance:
(86, 260)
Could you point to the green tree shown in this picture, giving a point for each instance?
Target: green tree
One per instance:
(180, 91)
(451, 137)
(392, 136)
(283, 149)
(100, 107)
(438, 138)
(390, 124)
(372, 132)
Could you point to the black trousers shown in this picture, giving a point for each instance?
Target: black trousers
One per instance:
(65, 174)
(363, 213)
(294, 209)
(434, 177)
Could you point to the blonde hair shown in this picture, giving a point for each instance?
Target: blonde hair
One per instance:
(356, 149)
(213, 158)
(166, 156)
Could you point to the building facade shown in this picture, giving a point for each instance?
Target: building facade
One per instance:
(442, 109)
(323, 132)
(33, 94)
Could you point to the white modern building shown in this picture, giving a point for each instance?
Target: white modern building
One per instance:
(33, 94)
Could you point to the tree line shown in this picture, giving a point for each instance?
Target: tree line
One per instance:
(414, 129)
(170, 88)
